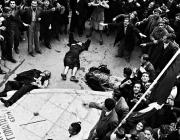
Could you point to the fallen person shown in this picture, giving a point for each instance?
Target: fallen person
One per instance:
(71, 59)
(25, 82)
(100, 79)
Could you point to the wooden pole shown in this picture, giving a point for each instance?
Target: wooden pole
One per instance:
(150, 87)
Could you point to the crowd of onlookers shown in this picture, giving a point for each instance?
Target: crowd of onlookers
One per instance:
(161, 124)
(154, 25)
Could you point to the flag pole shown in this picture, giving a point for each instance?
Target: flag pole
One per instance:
(150, 87)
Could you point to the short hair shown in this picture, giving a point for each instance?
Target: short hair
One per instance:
(143, 123)
(150, 130)
(157, 11)
(161, 21)
(127, 71)
(47, 74)
(109, 103)
(138, 82)
(34, 0)
(7, 9)
(76, 127)
(145, 57)
(12, 0)
(146, 73)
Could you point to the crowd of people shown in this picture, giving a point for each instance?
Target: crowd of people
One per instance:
(154, 25)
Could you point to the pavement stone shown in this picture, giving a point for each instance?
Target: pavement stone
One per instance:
(47, 115)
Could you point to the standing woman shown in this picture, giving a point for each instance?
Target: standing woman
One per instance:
(97, 17)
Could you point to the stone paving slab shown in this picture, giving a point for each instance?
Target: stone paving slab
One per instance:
(42, 119)
(56, 124)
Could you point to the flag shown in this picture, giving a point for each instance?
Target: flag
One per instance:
(144, 114)
(163, 88)
(159, 93)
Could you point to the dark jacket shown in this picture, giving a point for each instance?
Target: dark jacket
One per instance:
(160, 56)
(130, 37)
(81, 7)
(28, 76)
(106, 124)
(27, 15)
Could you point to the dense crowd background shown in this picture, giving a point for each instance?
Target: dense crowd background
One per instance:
(154, 25)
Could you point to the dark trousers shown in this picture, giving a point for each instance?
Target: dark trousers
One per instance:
(45, 34)
(56, 28)
(122, 51)
(21, 88)
(14, 39)
(77, 22)
(11, 40)
(33, 37)
(3, 51)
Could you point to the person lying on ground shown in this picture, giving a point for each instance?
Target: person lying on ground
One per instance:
(71, 59)
(25, 82)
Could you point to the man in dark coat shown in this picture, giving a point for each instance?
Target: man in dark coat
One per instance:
(162, 53)
(107, 122)
(126, 36)
(151, 22)
(60, 17)
(63, 18)
(45, 23)
(79, 13)
(12, 32)
(32, 18)
(24, 83)
(16, 25)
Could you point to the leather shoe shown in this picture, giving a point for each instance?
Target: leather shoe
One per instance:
(101, 42)
(63, 76)
(6, 103)
(11, 60)
(31, 54)
(48, 46)
(16, 51)
(74, 79)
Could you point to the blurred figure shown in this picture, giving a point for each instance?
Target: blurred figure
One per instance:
(98, 17)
